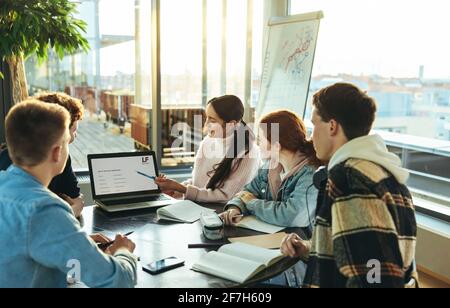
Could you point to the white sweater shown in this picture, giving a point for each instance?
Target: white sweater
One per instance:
(211, 152)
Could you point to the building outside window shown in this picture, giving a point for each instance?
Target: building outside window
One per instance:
(393, 50)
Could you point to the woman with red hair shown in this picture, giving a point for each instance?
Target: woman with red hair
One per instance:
(283, 193)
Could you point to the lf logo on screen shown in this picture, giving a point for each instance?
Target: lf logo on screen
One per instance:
(145, 160)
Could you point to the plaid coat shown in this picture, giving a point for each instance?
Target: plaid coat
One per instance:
(365, 231)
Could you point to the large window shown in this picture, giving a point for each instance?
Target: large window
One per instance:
(204, 53)
(181, 73)
(236, 41)
(396, 52)
(228, 52)
(104, 78)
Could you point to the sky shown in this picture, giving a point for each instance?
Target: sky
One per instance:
(387, 37)
(392, 38)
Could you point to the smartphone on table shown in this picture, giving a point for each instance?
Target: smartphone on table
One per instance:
(163, 265)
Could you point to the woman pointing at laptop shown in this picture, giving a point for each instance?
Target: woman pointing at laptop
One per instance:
(227, 160)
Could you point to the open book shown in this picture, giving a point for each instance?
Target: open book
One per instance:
(183, 211)
(237, 262)
(270, 241)
(253, 223)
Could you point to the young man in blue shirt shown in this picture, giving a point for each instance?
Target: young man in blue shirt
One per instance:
(42, 241)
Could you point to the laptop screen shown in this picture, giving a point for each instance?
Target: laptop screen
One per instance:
(123, 174)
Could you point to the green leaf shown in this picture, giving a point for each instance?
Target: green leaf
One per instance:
(32, 26)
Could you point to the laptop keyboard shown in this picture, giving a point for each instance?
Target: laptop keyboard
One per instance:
(136, 200)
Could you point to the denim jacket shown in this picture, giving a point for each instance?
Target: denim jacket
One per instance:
(294, 204)
(41, 241)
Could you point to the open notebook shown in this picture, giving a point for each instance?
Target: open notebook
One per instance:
(253, 223)
(183, 211)
(237, 262)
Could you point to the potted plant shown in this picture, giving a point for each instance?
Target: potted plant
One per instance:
(30, 27)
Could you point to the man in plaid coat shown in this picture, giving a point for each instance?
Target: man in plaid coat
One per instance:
(365, 229)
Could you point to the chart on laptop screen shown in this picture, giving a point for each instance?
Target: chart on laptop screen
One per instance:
(123, 175)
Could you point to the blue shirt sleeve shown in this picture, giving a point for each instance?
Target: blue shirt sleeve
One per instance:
(56, 241)
(255, 187)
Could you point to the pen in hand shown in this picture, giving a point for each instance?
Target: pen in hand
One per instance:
(103, 246)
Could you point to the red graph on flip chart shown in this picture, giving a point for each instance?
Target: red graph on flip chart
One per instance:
(296, 53)
(287, 68)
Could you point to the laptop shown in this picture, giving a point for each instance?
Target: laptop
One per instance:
(126, 181)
